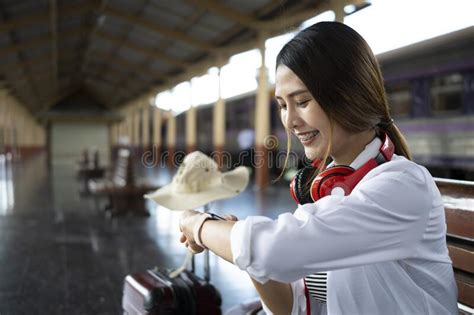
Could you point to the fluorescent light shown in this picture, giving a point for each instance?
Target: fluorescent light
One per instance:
(350, 8)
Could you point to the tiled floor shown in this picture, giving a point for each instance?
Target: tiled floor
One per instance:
(60, 255)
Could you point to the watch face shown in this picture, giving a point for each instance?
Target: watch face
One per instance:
(216, 217)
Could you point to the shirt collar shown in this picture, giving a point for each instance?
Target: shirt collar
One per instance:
(370, 151)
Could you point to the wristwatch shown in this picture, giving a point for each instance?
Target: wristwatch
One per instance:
(197, 228)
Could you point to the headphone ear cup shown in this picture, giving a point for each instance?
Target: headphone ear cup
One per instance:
(333, 177)
(301, 178)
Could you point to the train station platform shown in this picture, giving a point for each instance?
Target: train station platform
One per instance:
(61, 255)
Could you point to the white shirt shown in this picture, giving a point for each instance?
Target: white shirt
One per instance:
(383, 246)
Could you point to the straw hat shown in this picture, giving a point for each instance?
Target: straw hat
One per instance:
(199, 182)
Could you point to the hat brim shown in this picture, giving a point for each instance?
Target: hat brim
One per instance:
(233, 183)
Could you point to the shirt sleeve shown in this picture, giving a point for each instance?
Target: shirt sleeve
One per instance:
(382, 219)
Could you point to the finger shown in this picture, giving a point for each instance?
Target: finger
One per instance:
(182, 238)
(196, 249)
(180, 223)
(193, 244)
(230, 217)
(188, 213)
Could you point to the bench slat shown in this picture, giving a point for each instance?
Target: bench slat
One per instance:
(458, 199)
(465, 292)
(460, 222)
(462, 258)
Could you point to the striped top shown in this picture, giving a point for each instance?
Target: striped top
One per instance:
(317, 286)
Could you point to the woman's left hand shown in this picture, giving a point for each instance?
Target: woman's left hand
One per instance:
(187, 223)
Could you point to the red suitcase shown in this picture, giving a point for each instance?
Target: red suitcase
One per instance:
(153, 292)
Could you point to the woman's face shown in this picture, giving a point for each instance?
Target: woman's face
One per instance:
(303, 116)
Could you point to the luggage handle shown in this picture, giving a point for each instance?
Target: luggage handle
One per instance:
(207, 268)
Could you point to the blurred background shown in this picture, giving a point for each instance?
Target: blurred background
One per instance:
(101, 100)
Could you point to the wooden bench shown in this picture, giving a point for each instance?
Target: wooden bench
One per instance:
(87, 170)
(458, 198)
(124, 191)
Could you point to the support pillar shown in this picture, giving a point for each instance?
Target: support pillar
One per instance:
(136, 128)
(338, 8)
(2, 121)
(20, 132)
(13, 131)
(157, 142)
(39, 137)
(146, 126)
(115, 134)
(171, 139)
(128, 128)
(191, 129)
(6, 125)
(218, 130)
(262, 124)
(122, 130)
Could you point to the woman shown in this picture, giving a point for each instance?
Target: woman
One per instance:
(370, 240)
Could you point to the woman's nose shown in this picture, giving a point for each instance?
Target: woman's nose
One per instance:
(293, 119)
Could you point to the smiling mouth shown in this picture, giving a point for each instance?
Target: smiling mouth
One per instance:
(307, 137)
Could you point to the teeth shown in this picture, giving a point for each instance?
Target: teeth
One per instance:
(308, 136)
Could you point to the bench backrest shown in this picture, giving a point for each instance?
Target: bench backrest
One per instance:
(458, 198)
(124, 172)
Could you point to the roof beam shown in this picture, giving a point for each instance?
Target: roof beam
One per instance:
(32, 88)
(116, 77)
(123, 94)
(144, 50)
(43, 17)
(107, 59)
(93, 30)
(43, 40)
(45, 57)
(189, 21)
(224, 11)
(291, 19)
(281, 22)
(16, 48)
(279, 25)
(40, 59)
(135, 20)
(112, 86)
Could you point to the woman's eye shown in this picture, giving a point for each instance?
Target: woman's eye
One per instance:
(304, 103)
(281, 106)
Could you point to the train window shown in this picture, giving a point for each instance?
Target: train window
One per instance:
(399, 99)
(239, 113)
(446, 93)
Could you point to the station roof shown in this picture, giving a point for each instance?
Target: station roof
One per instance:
(118, 50)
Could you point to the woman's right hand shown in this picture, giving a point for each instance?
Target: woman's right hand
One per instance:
(187, 234)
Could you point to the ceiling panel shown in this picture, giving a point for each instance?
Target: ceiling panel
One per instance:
(139, 44)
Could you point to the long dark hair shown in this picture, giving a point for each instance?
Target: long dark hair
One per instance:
(339, 69)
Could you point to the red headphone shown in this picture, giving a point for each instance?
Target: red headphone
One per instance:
(341, 176)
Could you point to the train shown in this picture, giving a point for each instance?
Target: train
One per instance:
(430, 88)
